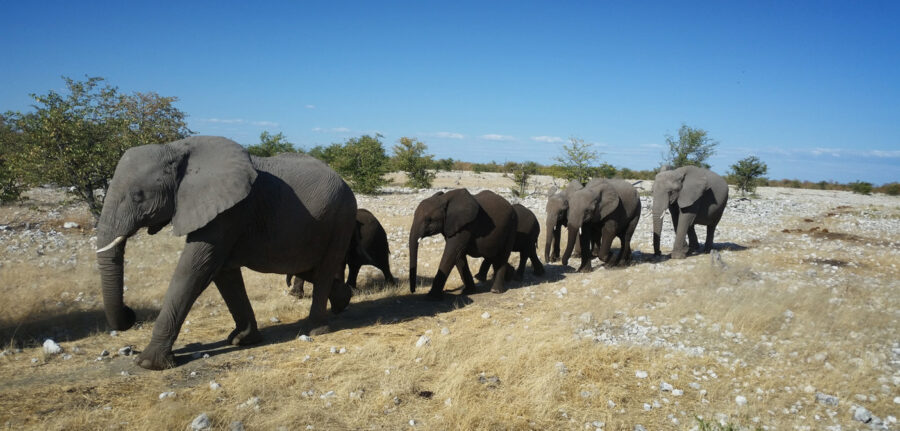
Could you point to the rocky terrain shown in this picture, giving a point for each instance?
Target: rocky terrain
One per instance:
(791, 323)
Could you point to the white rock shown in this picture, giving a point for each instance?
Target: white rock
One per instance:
(305, 338)
(677, 392)
(251, 402)
(342, 350)
(274, 320)
(213, 385)
(640, 374)
(70, 225)
(423, 341)
(412, 422)
(665, 387)
(201, 423)
(329, 394)
(51, 348)
(611, 404)
(170, 394)
(740, 400)
(445, 331)
(896, 400)
(485, 315)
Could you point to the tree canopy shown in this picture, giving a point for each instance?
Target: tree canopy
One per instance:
(270, 145)
(76, 139)
(410, 157)
(578, 160)
(746, 172)
(691, 147)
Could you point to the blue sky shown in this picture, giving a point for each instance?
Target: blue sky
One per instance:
(812, 88)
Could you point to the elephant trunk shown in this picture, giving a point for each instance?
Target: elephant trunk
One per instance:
(551, 233)
(414, 235)
(110, 260)
(570, 243)
(659, 210)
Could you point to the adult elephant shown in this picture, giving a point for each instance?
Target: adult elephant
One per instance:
(527, 232)
(603, 209)
(286, 215)
(693, 196)
(557, 212)
(369, 246)
(483, 225)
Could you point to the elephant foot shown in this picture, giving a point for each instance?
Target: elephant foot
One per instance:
(481, 278)
(499, 289)
(244, 337)
(679, 254)
(152, 359)
(585, 269)
(314, 328)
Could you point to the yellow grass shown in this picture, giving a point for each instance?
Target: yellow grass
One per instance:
(527, 366)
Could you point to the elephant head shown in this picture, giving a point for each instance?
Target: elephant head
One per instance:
(444, 213)
(596, 201)
(682, 186)
(186, 182)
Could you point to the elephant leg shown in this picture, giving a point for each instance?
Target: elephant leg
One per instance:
(328, 285)
(626, 241)
(462, 265)
(230, 284)
(584, 241)
(297, 287)
(606, 239)
(199, 263)
(554, 255)
(693, 244)
(710, 235)
(352, 273)
(453, 250)
(520, 269)
(679, 251)
(501, 272)
(536, 264)
(483, 270)
(384, 264)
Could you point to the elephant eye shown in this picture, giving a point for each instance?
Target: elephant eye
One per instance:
(137, 196)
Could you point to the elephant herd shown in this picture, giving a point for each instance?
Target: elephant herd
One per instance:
(293, 215)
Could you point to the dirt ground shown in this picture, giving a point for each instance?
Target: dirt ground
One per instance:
(791, 324)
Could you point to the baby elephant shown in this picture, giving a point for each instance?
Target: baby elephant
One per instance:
(527, 234)
(369, 246)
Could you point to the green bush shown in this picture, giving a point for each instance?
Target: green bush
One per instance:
(890, 189)
(692, 147)
(521, 173)
(861, 187)
(270, 145)
(410, 157)
(362, 162)
(577, 160)
(746, 172)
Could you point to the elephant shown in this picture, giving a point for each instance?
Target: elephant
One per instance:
(287, 215)
(693, 195)
(603, 209)
(557, 210)
(483, 225)
(369, 246)
(527, 234)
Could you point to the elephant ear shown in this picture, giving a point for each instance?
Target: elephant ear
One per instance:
(609, 201)
(215, 174)
(552, 191)
(462, 208)
(695, 183)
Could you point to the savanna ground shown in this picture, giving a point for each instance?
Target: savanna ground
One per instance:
(802, 302)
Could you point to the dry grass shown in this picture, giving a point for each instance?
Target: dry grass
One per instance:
(533, 364)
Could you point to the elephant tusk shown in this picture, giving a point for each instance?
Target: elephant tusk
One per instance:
(115, 242)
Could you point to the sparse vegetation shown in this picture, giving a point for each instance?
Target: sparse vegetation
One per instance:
(521, 173)
(363, 163)
(861, 187)
(691, 147)
(410, 157)
(577, 160)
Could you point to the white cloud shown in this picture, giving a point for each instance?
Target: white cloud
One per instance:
(265, 123)
(447, 135)
(331, 130)
(882, 154)
(310, 106)
(496, 137)
(833, 152)
(224, 120)
(340, 129)
(547, 139)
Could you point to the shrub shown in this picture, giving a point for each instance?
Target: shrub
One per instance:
(577, 159)
(890, 189)
(521, 173)
(746, 172)
(410, 157)
(693, 147)
(362, 162)
(270, 145)
(861, 187)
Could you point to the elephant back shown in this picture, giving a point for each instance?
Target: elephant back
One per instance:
(317, 186)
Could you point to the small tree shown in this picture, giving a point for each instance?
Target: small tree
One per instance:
(270, 145)
(746, 172)
(521, 173)
(327, 154)
(577, 160)
(693, 147)
(410, 157)
(75, 140)
(861, 187)
(10, 186)
(363, 163)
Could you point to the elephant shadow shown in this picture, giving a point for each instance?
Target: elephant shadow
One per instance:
(387, 310)
(71, 326)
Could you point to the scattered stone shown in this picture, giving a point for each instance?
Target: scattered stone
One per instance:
(445, 331)
(274, 320)
(740, 400)
(213, 385)
(611, 404)
(201, 423)
(329, 394)
(825, 399)
(412, 422)
(640, 374)
(252, 402)
(485, 315)
(104, 353)
(586, 317)
(896, 400)
(491, 382)
(448, 402)
(342, 350)
(647, 407)
(561, 368)
(113, 333)
(694, 385)
(677, 392)
(126, 351)
(67, 356)
(305, 338)
(170, 394)
(51, 348)
(423, 341)
(236, 426)
(70, 225)
(665, 387)
(639, 427)
(34, 360)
